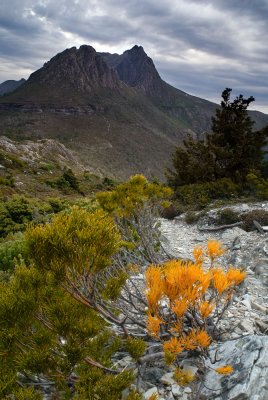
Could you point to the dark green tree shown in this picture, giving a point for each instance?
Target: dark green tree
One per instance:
(236, 147)
(231, 150)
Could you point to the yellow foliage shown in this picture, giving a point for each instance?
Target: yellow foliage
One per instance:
(129, 197)
(154, 396)
(225, 370)
(183, 377)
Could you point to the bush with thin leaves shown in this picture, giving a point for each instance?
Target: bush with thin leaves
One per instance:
(185, 299)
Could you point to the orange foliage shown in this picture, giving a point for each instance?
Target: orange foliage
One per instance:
(214, 249)
(205, 309)
(154, 284)
(189, 294)
(199, 255)
(153, 325)
(179, 307)
(235, 276)
(220, 281)
(226, 370)
(174, 345)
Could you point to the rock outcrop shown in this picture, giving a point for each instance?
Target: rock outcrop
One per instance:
(249, 358)
(81, 68)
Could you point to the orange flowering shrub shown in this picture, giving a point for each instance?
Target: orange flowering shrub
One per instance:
(185, 297)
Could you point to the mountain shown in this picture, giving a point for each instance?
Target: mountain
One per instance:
(114, 110)
(10, 86)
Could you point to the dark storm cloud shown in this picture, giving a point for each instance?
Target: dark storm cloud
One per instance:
(199, 46)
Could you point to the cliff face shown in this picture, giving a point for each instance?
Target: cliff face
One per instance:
(136, 69)
(82, 69)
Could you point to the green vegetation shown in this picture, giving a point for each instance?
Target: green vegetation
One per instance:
(18, 211)
(59, 300)
(219, 165)
(12, 250)
(261, 216)
(227, 216)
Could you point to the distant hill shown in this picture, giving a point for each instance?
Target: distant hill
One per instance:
(114, 110)
(10, 85)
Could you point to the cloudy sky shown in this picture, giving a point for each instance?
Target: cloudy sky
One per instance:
(199, 46)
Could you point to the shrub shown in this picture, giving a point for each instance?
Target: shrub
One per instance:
(172, 211)
(11, 251)
(227, 216)
(7, 181)
(191, 217)
(201, 194)
(52, 318)
(184, 299)
(261, 216)
(257, 185)
(65, 182)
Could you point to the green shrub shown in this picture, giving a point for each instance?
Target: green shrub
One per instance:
(172, 211)
(66, 182)
(201, 194)
(258, 186)
(18, 211)
(46, 166)
(11, 250)
(261, 216)
(191, 217)
(227, 216)
(7, 181)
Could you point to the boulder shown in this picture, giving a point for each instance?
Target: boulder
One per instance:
(249, 359)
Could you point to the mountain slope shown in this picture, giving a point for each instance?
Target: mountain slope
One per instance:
(137, 70)
(10, 85)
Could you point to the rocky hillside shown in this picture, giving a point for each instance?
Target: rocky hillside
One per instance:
(10, 85)
(114, 110)
(35, 168)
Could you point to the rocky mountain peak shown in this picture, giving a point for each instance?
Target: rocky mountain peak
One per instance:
(136, 69)
(80, 69)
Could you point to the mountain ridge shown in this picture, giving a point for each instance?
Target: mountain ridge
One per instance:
(114, 110)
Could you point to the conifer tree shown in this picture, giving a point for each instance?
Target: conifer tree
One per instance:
(231, 150)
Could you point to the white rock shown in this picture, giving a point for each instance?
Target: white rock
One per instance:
(249, 358)
(187, 390)
(246, 326)
(259, 307)
(150, 392)
(168, 379)
(176, 390)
